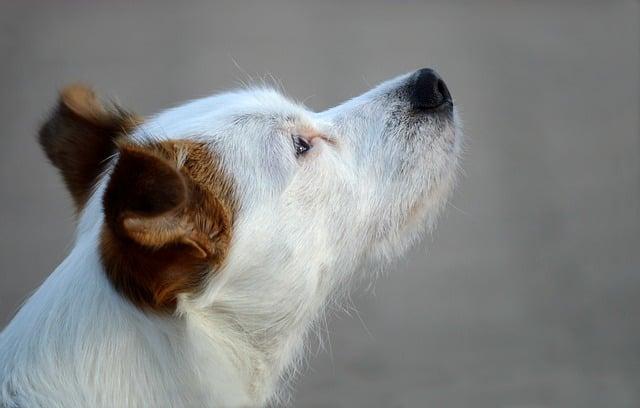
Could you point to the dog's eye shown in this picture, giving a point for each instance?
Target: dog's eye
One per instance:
(300, 145)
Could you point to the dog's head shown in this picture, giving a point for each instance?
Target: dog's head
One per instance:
(248, 197)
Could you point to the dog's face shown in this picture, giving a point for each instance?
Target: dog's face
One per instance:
(248, 197)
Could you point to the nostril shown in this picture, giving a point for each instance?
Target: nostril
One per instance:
(444, 91)
(429, 91)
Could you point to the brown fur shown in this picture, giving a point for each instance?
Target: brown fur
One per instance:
(168, 207)
(79, 136)
(168, 211)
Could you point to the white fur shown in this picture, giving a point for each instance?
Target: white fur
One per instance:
(304, 227)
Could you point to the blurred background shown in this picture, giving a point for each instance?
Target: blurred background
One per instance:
(528, 293)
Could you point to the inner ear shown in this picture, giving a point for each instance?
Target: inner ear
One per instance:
(79, 136)
(164, 227)
(144, 183)
(147, 201)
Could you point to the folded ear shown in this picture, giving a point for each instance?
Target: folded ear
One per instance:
(147, 201)
(79, 136)
(163, 229)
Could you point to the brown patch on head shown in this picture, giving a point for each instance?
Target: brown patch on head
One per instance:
(168, 210)
(79, 136)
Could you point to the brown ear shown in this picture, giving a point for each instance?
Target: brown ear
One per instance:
(79, 137)
(163, 230)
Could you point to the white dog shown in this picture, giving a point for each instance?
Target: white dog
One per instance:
(211, 236)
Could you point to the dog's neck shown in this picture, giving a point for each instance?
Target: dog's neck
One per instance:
(248, 347)
(258, 342)
(218, 355)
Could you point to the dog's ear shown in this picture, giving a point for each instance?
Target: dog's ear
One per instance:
(147, 201)
(164, 229)
(79, 138)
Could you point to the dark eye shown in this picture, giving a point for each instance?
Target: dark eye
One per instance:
(300, 145)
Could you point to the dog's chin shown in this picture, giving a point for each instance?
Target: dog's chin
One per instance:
(419, 220)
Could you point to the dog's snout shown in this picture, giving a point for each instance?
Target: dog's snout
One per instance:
(429, 92)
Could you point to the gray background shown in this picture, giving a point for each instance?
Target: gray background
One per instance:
(526, 296)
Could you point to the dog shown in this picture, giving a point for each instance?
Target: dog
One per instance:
(212, 236)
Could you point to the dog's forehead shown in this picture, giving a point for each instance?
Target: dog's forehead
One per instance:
(248, 133)
(252, 111)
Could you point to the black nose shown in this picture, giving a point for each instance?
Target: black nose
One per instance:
(429, 91)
